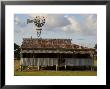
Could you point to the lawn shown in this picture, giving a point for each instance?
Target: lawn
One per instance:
(57, 73)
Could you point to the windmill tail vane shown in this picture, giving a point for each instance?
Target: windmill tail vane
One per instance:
(29, 21)
(39, 23)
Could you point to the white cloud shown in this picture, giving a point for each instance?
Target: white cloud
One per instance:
(16, 20)
(90, 24)
(19, 22)
(86, 26)
(69, 23)
(53, 20)
(74, 25)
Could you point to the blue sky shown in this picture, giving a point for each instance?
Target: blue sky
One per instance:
(81, 28)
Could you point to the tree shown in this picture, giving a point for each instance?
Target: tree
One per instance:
(16, 51)
(95, 48)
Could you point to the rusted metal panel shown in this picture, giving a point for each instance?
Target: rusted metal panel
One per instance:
(45, 51)
(56, 61)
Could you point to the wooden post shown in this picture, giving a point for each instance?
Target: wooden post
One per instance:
(91, 68)
(21, 68)
(38, 65)
(92, 61)
(33, 59)
(57, 62)
(65, 66)
(56, 67)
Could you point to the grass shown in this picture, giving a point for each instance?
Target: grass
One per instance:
(57, 73)
(16, 64)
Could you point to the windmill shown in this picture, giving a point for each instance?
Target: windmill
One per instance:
(39, 21)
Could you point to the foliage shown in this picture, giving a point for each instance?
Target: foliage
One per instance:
(16, 51)
(95, 46)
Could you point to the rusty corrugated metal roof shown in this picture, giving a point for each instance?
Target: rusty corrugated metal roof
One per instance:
(49, 43)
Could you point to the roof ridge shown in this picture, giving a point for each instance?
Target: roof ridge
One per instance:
(49, 38)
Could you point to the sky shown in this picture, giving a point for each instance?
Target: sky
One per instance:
(81, 28)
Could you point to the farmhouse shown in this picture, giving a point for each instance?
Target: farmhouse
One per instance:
(54, 52)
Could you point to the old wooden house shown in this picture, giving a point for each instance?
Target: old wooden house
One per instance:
(54, 52)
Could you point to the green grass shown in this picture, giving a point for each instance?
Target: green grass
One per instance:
(57, 73)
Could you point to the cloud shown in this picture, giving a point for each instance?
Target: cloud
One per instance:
(19, 22)
(87, 25)
(90, 25)
(91, 22)
(74, 25)
(57, 21)
(53, 21)
(70, 23)
(16, 20)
